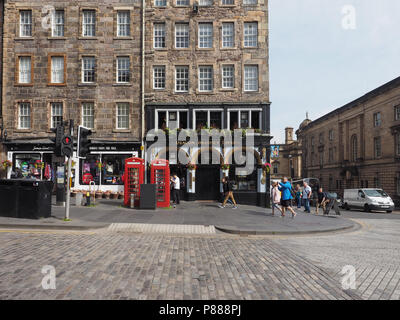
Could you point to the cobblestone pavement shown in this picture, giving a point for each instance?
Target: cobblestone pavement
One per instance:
(374, 251)
(112, 265)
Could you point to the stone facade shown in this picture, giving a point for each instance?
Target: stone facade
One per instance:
(357, 145)
(216, 56)
(105, 92)
(288, 162)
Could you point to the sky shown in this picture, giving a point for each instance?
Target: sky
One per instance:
(326, 53)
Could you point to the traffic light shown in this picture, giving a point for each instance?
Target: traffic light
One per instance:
(59, 131)
(83, 141)
(67, 146)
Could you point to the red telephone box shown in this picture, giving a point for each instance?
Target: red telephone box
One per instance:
(160, 177)
(133, 178)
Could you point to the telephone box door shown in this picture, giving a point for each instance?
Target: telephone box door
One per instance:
(160, 177)
(134, 177)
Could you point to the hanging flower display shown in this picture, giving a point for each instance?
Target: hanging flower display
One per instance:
(266, 167)
(99, 165)
(6, 164)
(225, 167)
(191, 166)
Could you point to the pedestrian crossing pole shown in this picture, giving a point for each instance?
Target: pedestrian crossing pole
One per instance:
(68, 197)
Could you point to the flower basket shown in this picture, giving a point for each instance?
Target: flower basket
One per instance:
(107, 195)
(114, 195)
(120, 195)
(99, 194)
(6, 164)
(266, 168)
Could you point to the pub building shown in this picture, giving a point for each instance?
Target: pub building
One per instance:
(204, 182)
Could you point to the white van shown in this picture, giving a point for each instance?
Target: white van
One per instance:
(367, 199)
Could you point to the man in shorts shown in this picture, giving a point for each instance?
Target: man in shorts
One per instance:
(286, 188)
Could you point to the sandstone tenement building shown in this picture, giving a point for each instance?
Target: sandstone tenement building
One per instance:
(357, 145)
(204, 64)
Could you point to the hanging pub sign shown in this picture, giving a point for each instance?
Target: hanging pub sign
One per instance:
(275, 151)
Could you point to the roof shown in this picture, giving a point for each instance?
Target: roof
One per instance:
(372, 94)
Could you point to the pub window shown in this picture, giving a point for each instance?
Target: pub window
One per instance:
(233, 120)
(242, 178)
(90, 170)
(161, 120)
(201, 119)
(244, 119)
(256, 119)
(172, 119)
(215, 120)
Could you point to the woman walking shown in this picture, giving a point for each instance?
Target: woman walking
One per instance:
(286, 188)
(276, 198)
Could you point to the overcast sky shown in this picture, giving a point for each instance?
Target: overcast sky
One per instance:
(317, 65)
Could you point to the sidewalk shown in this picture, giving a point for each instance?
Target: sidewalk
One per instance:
(245, 220)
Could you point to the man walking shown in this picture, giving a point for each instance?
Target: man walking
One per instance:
(286, 188)
(228, 192)
(176, 186)
(306, 197)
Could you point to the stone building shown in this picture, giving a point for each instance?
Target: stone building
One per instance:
(207, 68)
(72, 60)
(357, 145)
(286, 158)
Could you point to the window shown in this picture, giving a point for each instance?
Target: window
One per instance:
(250, 78)
(205, 3)
(25, 69)
(321, 159)
(88, 69)
(398, 144)
(244, 119)
(88, 115)
(160, 3)
(275, 168)
(159, 77)
(321, 138)
(123, 24)
(249, 2)
(25, 23)
(398, 184)
(330, 156)
(354, 148)
(159, 35)
(242, 177)
(56, 114)
(312, 144)
(205, 78)
(331, 135)
(377, 147)
(208, 119)
(123, 115)
(182, 2)
(228, 77)
(24, 121)
(256, 120)
(90, 169)
(57, 69)
(228, 2)
(57, 28)
(123, 70)
(182, 35)
(114, 168)
(377, 119)
(228, 35)
(89, 23)
(205, 35)
(397, 113)
(172, 119)
(182, 79)
(377, 181)
(250, 34)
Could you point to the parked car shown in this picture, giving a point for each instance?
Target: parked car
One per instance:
(367, 199)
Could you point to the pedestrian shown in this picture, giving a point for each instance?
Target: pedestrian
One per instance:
(321, 202)
(286, 188)
(307, 192)
(297, 191)
(176, 189)
(228, 192)
(276, 198)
